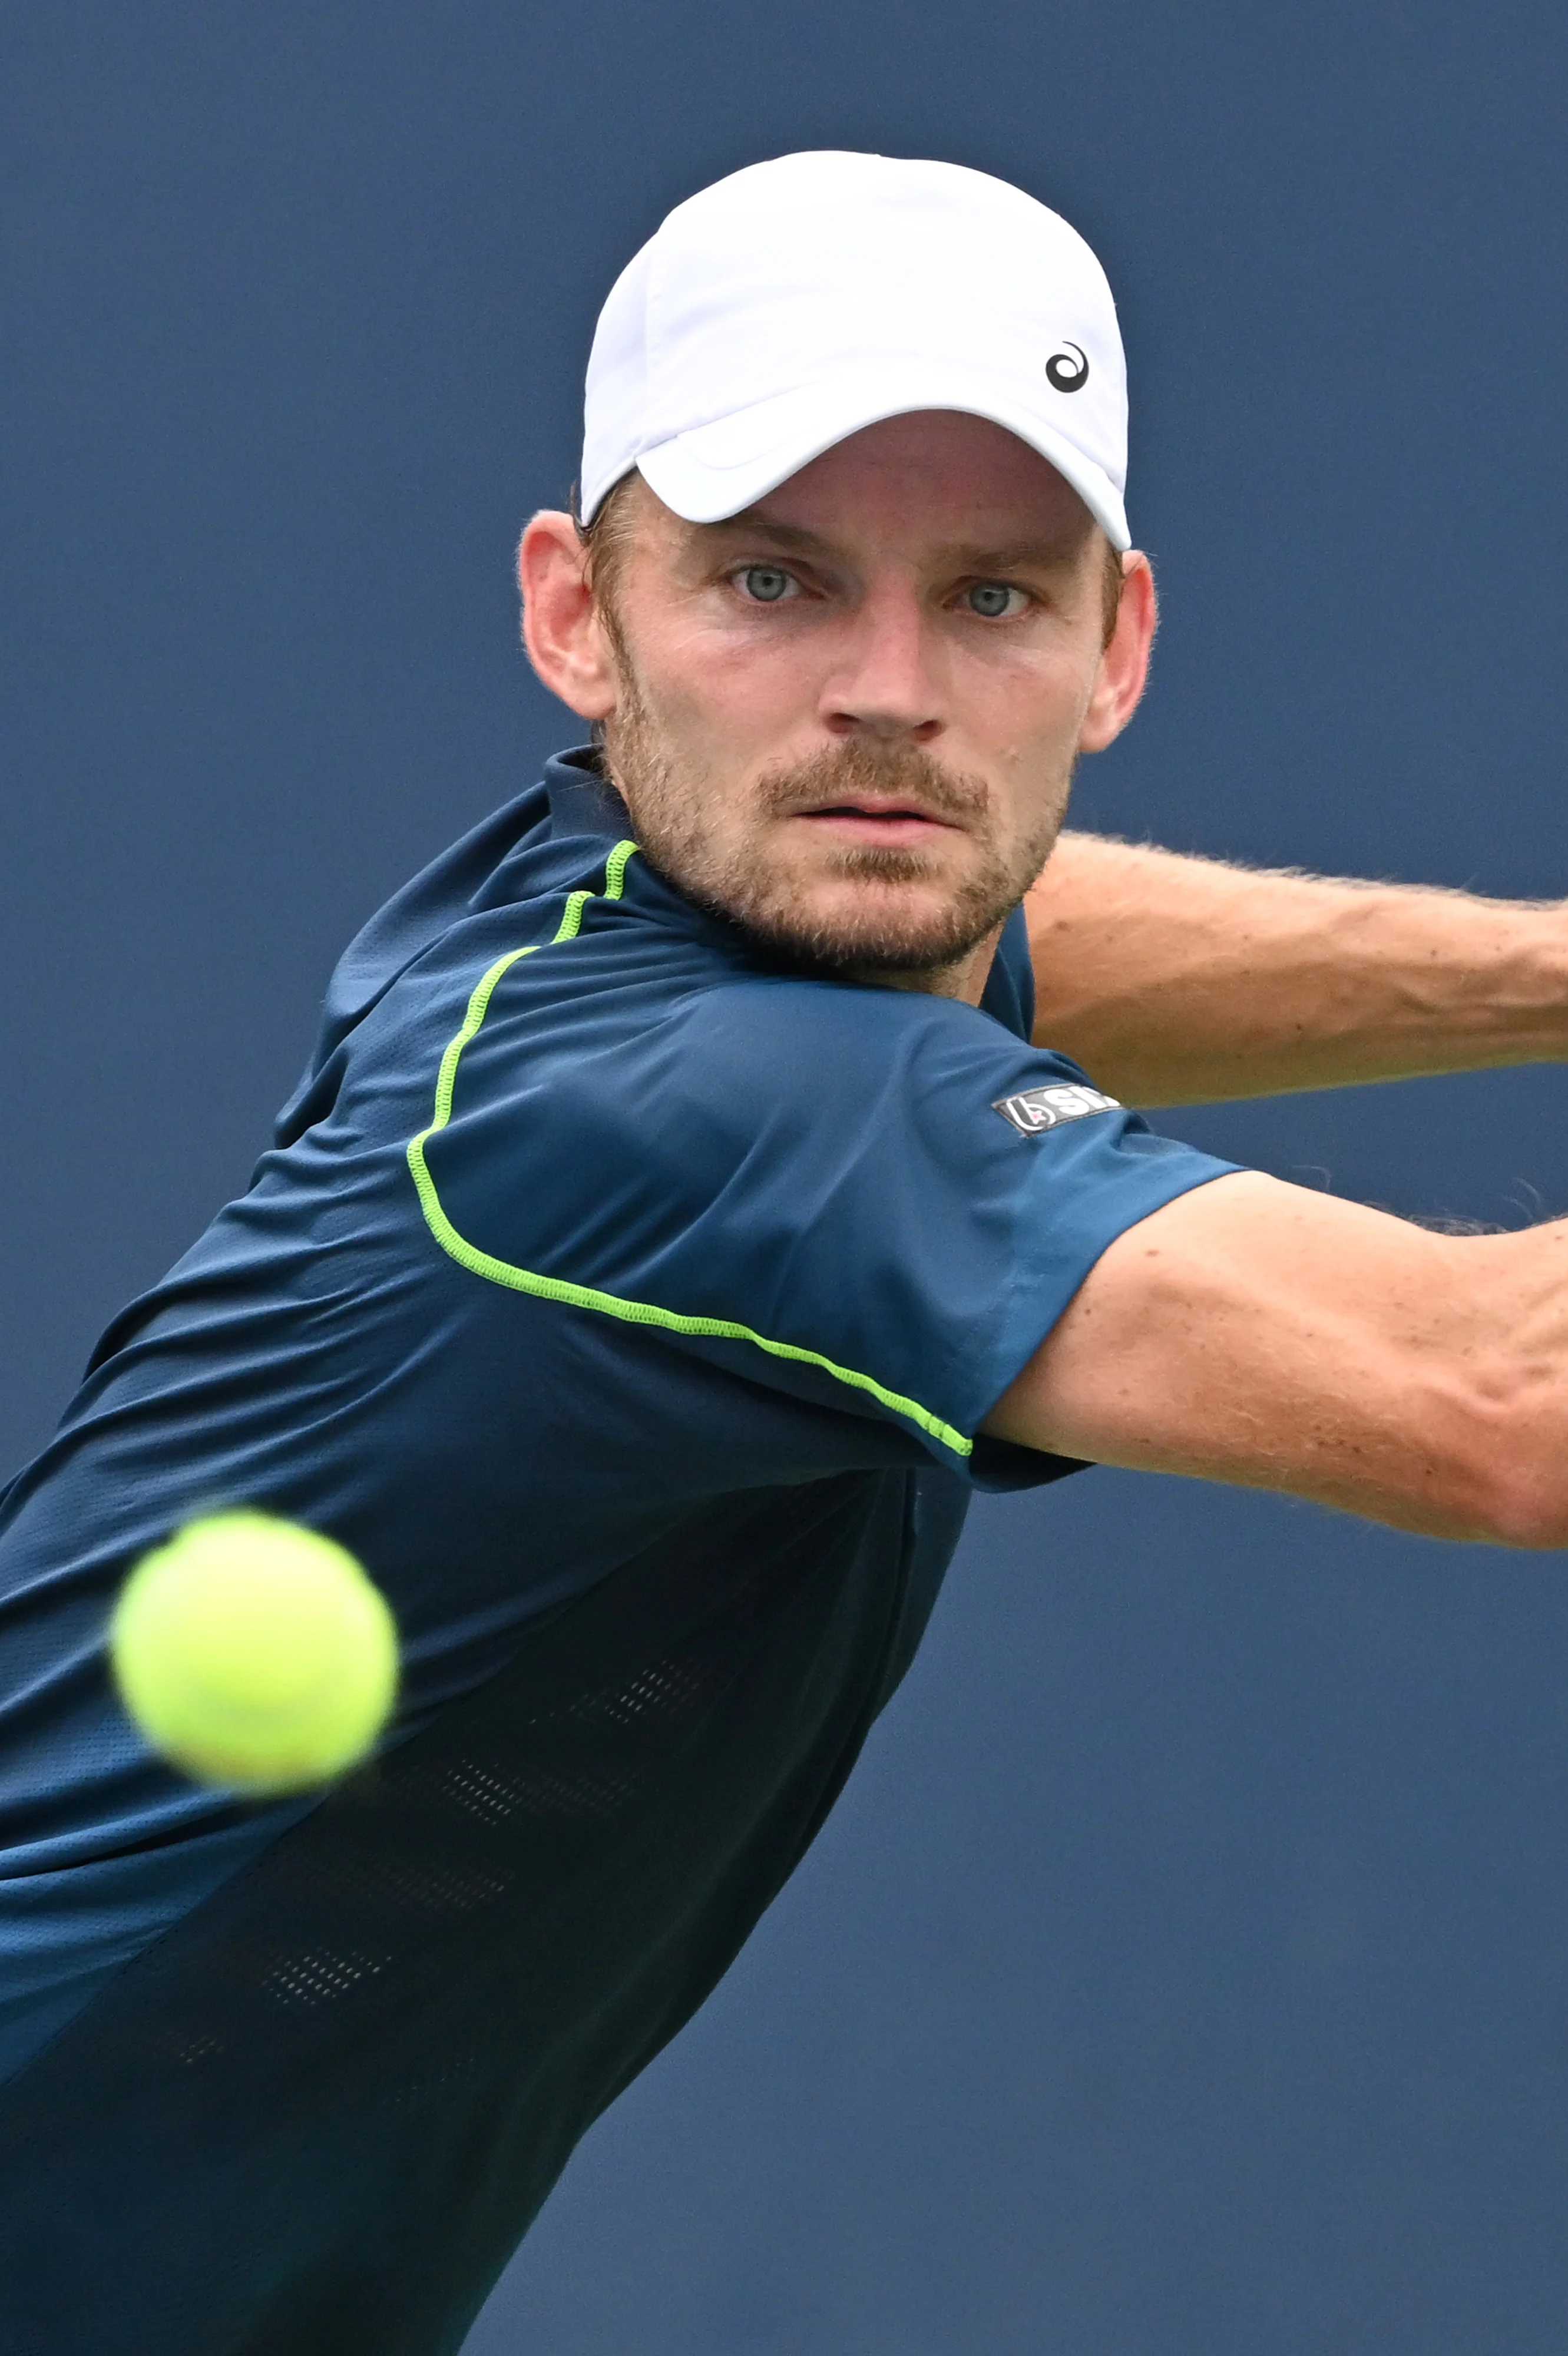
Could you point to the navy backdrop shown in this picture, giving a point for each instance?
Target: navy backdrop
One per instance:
(1183, 1974)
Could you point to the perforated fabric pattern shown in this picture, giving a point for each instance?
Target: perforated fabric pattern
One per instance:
(318, 2115)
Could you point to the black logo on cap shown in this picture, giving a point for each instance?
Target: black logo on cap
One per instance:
(1064, 374)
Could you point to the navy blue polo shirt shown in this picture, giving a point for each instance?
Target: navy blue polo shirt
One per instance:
(630, 1305)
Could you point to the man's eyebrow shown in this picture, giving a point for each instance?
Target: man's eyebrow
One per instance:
(751, 524)
(1018, 555)
(1013, 556)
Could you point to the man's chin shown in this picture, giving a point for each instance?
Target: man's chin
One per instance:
(867, 930)
(894, 912)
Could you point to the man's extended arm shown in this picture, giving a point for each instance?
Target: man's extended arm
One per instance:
(1261, 1333)
(1176, 980)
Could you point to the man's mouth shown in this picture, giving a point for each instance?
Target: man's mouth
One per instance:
(873, 817)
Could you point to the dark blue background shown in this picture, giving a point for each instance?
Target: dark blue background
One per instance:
(1184, 1971)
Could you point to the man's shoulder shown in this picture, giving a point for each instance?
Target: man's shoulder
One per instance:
(592, 1007)
(612, 961)
(653, 1069)
(754, 1038)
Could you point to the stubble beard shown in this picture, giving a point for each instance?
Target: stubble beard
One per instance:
(773, 907)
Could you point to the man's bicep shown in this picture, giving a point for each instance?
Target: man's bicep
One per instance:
(1258, 1334)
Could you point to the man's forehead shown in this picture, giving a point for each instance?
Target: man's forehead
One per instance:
(957, 485)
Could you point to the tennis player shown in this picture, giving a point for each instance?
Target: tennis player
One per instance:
(686, 1207)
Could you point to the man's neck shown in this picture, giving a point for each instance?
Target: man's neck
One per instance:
(964, 978)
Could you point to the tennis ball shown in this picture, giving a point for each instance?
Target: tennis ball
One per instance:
(255, 1652)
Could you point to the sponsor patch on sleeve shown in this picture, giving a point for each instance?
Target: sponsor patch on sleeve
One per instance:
(1037, 1109)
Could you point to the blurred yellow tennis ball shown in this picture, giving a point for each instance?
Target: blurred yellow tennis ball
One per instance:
(255, 1652)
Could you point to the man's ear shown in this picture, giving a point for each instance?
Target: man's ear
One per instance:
(561, 626)
(1125, 665)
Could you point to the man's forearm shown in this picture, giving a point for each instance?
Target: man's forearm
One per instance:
(1177, 981)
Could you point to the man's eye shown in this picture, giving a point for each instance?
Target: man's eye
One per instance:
(995, 601)
(766, 583)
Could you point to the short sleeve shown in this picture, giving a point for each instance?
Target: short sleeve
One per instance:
(878, 1201)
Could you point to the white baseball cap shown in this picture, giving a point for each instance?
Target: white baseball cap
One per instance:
(797, 301)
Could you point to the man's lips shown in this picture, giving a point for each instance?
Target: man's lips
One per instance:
(867, 819)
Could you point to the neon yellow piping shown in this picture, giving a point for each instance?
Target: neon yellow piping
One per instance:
(584, 1296)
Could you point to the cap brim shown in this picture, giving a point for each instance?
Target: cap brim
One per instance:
(715, 470)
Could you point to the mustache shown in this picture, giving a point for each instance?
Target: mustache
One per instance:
(900, 772)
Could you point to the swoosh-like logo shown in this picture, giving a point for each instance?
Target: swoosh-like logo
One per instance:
(1069, 369)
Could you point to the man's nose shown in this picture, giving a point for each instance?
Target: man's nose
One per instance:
(885, 684)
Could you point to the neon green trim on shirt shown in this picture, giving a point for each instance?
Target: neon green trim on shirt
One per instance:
(585, 1296)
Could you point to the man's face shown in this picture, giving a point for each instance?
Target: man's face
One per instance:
(848, 718)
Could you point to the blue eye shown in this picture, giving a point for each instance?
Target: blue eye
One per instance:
(766, 583)
(992, 599)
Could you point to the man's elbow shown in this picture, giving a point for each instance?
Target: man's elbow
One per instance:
(1508, 1475)
(1527, 1509)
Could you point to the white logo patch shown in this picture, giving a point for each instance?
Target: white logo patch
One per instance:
(1037, 1109)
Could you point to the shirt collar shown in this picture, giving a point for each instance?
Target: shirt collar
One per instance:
(582, 800)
